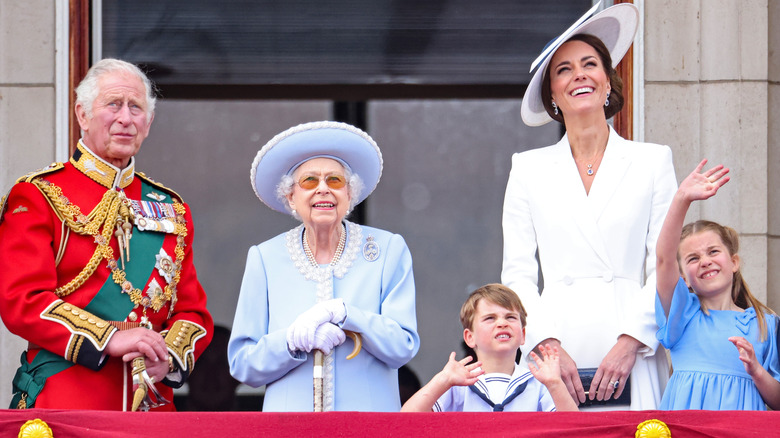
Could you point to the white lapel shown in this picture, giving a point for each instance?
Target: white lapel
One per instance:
(611, 172)
(572, 192)
(569, 188)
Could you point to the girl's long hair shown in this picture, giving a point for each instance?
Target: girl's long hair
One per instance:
(740, 292)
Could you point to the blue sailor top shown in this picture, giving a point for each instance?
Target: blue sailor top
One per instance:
(523, 394)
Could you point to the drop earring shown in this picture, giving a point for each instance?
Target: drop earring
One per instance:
(607, 102)
(555, 108)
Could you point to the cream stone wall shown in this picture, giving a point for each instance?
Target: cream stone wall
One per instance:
(707, 92)
(27, 122)
(773, 157)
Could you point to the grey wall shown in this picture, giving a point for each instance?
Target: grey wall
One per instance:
(447, 163)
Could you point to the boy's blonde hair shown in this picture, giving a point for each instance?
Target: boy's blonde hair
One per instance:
(740, 292)
(495, 293)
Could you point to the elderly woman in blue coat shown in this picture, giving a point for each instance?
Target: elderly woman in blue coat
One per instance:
(304, 288)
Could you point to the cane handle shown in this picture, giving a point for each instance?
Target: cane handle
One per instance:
(358, 340)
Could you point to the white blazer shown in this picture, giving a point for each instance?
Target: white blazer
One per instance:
(597, 251)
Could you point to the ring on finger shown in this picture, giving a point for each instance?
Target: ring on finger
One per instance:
(615, 384)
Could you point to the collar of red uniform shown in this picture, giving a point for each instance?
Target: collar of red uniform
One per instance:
(101, 171)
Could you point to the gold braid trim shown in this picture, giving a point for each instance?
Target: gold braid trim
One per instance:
(80, 322)
(181, 340)
(112, 210)
(160, 186)
(180, 229)
(53, 167)
(74, 348)
(104, 214)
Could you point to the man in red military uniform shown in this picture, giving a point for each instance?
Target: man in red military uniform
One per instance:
(96, 265)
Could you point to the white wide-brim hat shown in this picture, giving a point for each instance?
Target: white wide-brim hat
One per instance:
(289, 149)
(614, 26)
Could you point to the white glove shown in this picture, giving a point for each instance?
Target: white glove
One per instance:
(337, 310)
(327, 337)
(300, 335)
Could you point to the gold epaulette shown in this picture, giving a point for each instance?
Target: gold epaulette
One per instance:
(159, 186)
(53, 167)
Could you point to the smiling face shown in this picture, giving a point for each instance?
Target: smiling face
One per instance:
(707, 266)
(119, 122)
(321, 205)
(579, 81)
(495, 330)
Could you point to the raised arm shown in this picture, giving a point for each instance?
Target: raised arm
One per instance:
(695, 187)
(546, 369)
(455, 373)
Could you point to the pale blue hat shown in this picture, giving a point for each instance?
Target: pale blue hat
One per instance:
(344, 143)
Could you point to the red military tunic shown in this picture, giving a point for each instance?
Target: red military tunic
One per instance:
(69, 313)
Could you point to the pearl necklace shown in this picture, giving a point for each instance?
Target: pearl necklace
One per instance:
(339, 248)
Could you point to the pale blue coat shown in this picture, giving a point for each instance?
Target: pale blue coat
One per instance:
(380, 301)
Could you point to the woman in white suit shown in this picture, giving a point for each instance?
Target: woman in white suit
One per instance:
(592, 206)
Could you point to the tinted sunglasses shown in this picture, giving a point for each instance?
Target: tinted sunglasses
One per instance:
(311, 182)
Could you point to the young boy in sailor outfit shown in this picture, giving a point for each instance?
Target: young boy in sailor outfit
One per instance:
(493, 321)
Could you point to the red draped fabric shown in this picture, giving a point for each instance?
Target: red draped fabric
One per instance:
(105, 424)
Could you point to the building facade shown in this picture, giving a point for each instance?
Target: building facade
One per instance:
(706, 82)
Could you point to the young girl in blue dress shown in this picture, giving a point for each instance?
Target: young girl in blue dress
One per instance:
(701, 329)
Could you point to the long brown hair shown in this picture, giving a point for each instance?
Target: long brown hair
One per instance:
(740, 292)
(615, 95)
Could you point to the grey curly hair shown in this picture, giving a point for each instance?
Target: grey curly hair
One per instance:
(354, 183)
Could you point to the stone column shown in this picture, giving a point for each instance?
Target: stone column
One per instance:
(773, 127)
(706, 96)
(27, 119)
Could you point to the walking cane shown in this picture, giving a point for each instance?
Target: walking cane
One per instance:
(143, 384)
(318, 359)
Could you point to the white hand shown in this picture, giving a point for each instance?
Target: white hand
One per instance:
(300, 335)
(337, 310)
(327, 337)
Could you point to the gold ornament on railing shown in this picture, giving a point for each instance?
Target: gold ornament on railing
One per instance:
(653, 429)
(35, 429)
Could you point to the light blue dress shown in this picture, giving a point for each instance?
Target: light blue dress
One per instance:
(707, 371)
(374, 278)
